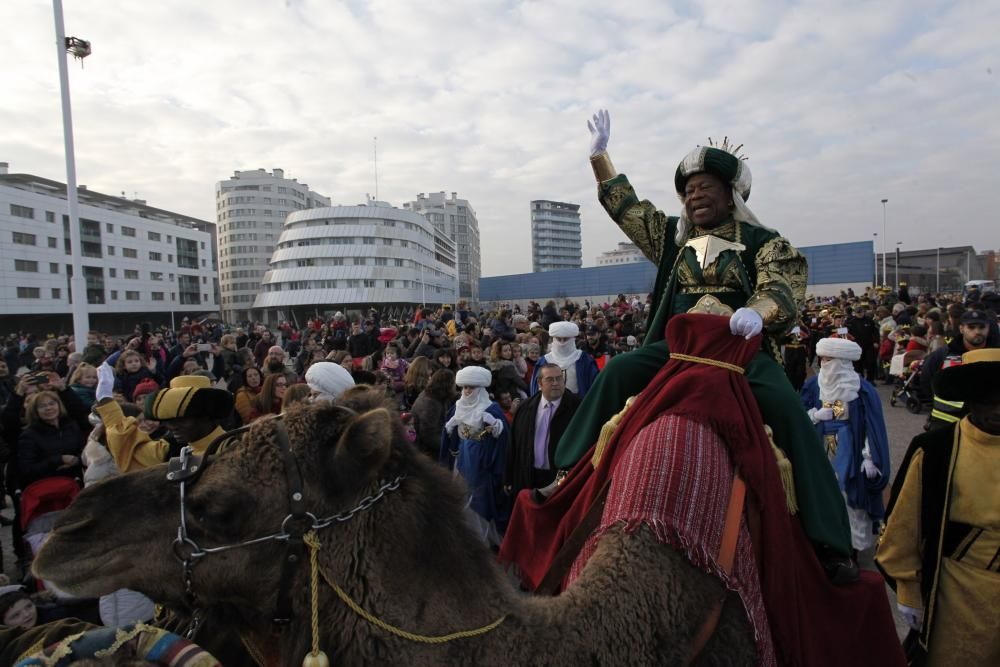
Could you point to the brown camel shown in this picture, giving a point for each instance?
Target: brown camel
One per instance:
(408, 560)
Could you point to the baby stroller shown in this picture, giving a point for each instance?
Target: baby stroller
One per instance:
(907, 389)
(41, 504)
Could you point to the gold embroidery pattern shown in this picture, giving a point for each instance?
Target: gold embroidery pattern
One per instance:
(707, 289)
(782, 274)
(830, 440)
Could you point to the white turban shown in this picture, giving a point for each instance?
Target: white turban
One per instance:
(564, 330)
(473, 376)
(329, 380)
(838, 348)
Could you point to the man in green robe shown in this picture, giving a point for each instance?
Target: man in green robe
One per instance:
(716, 257)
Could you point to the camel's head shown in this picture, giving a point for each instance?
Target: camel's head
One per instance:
(119, 533)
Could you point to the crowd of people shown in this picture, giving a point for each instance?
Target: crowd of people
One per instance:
(511, 398)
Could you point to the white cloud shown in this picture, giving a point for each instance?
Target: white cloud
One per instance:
(839, 105)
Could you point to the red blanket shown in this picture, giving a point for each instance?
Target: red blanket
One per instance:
(812, 622)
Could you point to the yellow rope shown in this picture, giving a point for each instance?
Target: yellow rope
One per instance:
(313, 543)
(708, 362)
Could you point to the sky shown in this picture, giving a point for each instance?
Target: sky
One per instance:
(839, 104)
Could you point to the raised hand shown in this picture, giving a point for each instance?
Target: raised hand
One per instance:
(600, 132)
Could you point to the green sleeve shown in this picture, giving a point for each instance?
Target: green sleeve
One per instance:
(646, 227)
(782, 273)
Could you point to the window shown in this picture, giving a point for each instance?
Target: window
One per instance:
(153, 236)
(131, 295)
(155, 275)
(155, 256)
(26, 265)
(111, 251)
(53, 267)
(156, 296)
(131, 274)
(29, 293)
(23, 212)
(130, 253)
(369, 283)
(114, 295)
(56, 293)
(50, 216)
(128, 231)
(359, 261)
(388, 283)
(202, 245)
(53, 242)
(204, 280)
(22, 238)
(109, 228)
(381, 261)
(368, 240)
(112, 273)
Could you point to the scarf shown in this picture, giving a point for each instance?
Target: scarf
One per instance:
(838, 381)
(469, 409)
(564, 354)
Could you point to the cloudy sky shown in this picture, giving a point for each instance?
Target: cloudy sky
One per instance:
(839, 104)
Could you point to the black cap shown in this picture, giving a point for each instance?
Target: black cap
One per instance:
(592, 329)
(974, 317)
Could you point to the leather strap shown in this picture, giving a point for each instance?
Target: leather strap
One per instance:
(726, 558)
(552, 581)
(296, 528)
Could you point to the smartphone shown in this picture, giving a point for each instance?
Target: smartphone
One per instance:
(204, 347)
(39, 378)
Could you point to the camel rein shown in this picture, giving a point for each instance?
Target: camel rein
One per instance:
(298, 530)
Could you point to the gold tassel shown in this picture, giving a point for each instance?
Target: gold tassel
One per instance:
(607, 431)
(785, 470)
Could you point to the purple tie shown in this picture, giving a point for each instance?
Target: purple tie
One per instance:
(542, 439)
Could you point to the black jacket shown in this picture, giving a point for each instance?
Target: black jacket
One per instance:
(41, 447)
(521, 451)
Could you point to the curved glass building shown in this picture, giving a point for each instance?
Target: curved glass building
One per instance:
(351, 257)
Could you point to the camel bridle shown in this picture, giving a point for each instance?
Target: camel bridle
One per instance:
(185, 469)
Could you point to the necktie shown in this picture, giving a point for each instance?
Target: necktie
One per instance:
(542, 438)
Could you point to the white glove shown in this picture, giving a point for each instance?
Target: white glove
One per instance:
(105, 382)
(818, 415)
(914, 617)
(489, 419)
(452, 424)
(746, 322)
(600, 132)
(870, 469)
(495, 425)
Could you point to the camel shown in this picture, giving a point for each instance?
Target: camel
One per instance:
(409, 560)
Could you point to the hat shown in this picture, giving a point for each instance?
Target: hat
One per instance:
(518, 317)
(974, 317)
(564, 330)
(473, 376)
(592, 329)
(718, 161)
(144, 388)
(534, 325)
(386, 334)
(838, 348)
(978, 372)
(631, 341)
(328, 379)
(189, 396)
(9, 596)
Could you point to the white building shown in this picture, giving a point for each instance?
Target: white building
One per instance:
(250, 209)
(555, 236)
(625, 253)
(353, 257)
(456, 218)
(139, 262)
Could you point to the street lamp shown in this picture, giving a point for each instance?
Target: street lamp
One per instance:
(898, 243)
(884, 274)
(79, 49)
(875, 245)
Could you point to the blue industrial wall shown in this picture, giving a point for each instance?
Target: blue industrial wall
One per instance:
(839, 263)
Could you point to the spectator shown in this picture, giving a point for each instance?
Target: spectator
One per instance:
(580, 367)
(417, 376)
(130, 370)
(297, 393)
(245, 399)
(83, 382)
(394, 368)
(272, 392)
(501, 365)
(328, 380)
(430, 408)
(51, 443)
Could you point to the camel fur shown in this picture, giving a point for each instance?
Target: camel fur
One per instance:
(410, 560)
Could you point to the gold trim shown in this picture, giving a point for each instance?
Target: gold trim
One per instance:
(766, 307)
(603, 169)
(709, 305)
(707, 289)
(930, 603)
(708, 362)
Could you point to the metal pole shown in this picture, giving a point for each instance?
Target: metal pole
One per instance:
(897, 264)
(884, 274)
(968, 265)
(937, 273)
(81, 320)
(875, 248)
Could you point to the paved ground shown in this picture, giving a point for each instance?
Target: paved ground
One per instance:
(901, 425)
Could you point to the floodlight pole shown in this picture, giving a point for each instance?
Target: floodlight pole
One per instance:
(884, 274)
(78, 285)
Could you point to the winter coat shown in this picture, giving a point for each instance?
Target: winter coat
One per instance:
(41, 447)
(428, 421)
